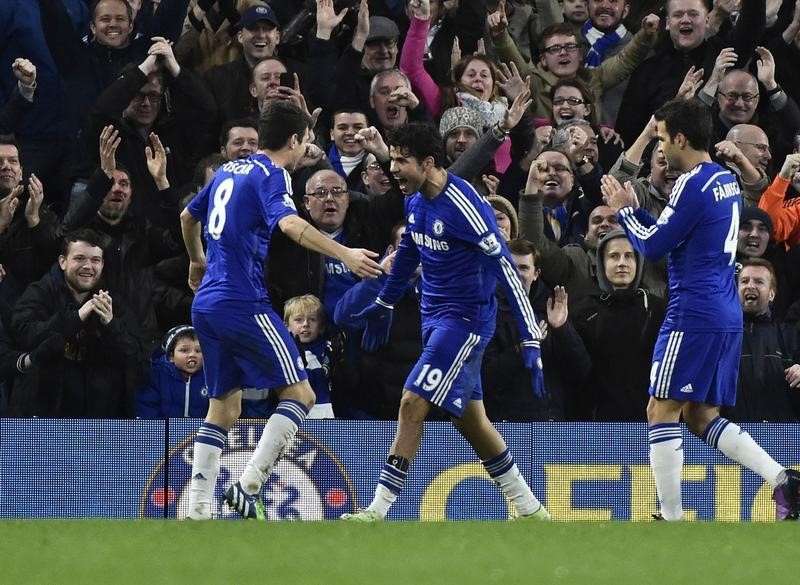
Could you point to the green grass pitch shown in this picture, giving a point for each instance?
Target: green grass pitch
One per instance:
(152, 552)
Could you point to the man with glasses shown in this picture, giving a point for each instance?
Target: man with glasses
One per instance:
(736, 100)
(343, 215)
(136, 106)
(657, 80)
(746, 152)
(561, 57)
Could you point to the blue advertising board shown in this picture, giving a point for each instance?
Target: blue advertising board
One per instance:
(582, 471)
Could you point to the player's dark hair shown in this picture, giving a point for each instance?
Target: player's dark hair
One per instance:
(692, 118)
(128, 9)
(87, 235)
(237, 123)
(420, 141)
(764, 264)
(278, 122)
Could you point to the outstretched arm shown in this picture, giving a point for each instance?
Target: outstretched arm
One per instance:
(359, 261)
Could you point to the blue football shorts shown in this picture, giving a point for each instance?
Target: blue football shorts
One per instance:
(696, 366)
(448, 373)
(246, 349)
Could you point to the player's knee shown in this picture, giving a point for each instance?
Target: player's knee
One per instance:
(413, 408)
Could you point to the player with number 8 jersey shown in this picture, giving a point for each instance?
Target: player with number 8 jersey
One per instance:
(245, 343)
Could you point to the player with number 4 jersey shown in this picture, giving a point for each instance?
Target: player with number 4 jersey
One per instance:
(696, 357)
(245, 343)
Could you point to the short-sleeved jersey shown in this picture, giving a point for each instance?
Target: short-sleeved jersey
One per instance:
(699, 230)
(463, 255)
(239, 209)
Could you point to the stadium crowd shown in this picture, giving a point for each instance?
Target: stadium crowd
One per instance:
(114, 113)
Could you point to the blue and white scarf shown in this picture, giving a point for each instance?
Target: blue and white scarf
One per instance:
(600, 42)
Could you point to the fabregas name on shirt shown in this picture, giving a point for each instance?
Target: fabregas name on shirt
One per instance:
(726, 190)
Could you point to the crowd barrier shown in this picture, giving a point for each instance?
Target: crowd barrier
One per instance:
(582, 471)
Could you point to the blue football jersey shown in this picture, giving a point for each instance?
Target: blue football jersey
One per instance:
(699, 229)
(239, 209)
(463, 255)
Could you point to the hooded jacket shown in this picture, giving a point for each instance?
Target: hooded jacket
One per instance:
(619, 328)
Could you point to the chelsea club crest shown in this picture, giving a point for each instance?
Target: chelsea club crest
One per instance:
(438, 227)
(307, 483)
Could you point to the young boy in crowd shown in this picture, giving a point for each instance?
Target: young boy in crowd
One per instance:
(176, 386)
(305, 319)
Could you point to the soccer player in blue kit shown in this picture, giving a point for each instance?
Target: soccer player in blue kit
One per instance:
(696, 357)
(452, 232)
(245, 343)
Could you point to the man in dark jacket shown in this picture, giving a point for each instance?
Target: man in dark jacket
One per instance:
(508, 392)
(619, 324)
(657, 80)
(137, 105)
(769, 368)
(85, 358)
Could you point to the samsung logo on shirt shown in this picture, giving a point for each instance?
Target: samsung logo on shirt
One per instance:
(426, 241)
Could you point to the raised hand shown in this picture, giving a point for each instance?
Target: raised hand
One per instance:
(162, 50)
(765, 68)
(157, 161)
(420, 9)
(362, 27)
(327, 18)
(102, 306)
(35, 199)
(109, 141)
(557, 312)
(491, 182)
(617, 196)
(373, 142)
(727, 151)
(312, 156)
(790, 166)
(24, 71)
(510, 81)
(650, 24)
(455, 53)
(514, 114)
(536, 177)
(692, 82)
(497, 20)
(610, 135)
(8, 205)
(725, 60)
(403, 97)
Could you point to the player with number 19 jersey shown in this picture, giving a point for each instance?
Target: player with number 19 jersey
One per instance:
(700, 340)
(239, 208)
(455, 238)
